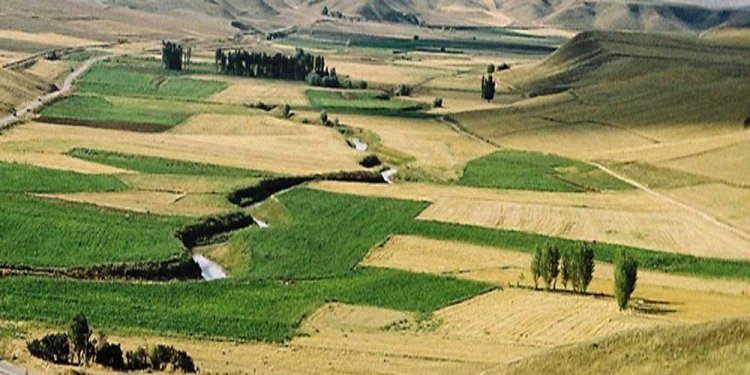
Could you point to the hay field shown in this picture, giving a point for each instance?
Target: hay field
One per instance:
(318, 150)
(48, 70)
(17, 88)
(726, 164)
(259, 125)
(253, 90)
(186, 183)
(727, 203)
(438, 149)
(45, 38)
(615, 217)
(381, 72)
(58, 161)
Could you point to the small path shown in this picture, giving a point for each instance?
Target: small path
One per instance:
(8, 369)
(669, 199)
(34, 104)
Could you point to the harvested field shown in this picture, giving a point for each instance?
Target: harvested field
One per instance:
(186, 183)
(438, 149)
(728, 204)
(538, 318)
(253, 90)
(319, 150)
(45, 38)
(605, 217)
(153, 202)
(377, 72)
(734, 161)
(58, 161)
(259, 125)
(11, 56)
(47, 70)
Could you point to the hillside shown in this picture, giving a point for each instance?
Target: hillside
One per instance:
(697, 349)
(16, 88)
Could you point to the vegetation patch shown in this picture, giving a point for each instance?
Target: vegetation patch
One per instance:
(104, 112)
(45, 233)
(157, 165)
(115, 80)
(360, 102)
(659, 177)
(230, 309)
(520, 170)
(22, 178)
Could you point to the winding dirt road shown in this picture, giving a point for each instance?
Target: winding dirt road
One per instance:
(33, 105)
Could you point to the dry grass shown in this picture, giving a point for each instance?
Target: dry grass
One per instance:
(10, 56)
(318, 150)
(246, 90)
(58, 161)
(438, 149)
(45, 38)
(381, 72)
(186, 183)
(726, 164)
(192, 205)
(616, 217)
(17, 88)
(237, 125)
(47, 70)
(728, 204)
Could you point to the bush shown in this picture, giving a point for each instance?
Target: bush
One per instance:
(80, 337)
(490, 68)
(626, 274)
(183, 362)
(54, 348)
(402, 90)
(382, 96)
(110, 355)
(162, 356)
(438, 102)
(363, 85)
(536, 266)
(137, 359)
(503, 66)
(370, 161)
(285, 111)
(324, 117)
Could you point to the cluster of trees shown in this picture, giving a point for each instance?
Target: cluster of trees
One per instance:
(172, 55)
(77, 347)
(263, 65)
(488, 88)
(575, 267)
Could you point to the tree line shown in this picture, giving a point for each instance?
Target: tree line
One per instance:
(174, 56)
(301, 66)
(575, 267)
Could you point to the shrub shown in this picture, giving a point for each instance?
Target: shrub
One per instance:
(54, 348)
(324, 117)
(382, 96)
(163, 355)
(183, 362)
(137, 359)
(363, 85)
(402, 90)
(110, 355)
(80, 336)
(503, 66)
(438, 102)
(286, 111)
(626, 274)
(490, 68)
(370, 161)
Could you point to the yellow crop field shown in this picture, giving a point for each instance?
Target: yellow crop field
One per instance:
(45, 38)
(48, 70)
(244, 90)
(319, 150)
(193, 205)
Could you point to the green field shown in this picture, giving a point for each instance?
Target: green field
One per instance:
(519, 170)
(114, 80)
(362, 102)
(228, 309)
(96, 109)
(46, 233)
(156, 165)
(21, 178)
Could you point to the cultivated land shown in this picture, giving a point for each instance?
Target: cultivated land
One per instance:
(631, 142)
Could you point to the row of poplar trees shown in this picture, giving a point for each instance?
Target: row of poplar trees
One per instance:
(262, 65)
(575, 267)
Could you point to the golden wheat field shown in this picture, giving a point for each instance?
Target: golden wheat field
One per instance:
(244, 91)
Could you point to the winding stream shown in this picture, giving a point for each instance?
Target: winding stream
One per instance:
(209, 269)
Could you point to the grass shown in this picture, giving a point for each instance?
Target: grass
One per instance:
(360, 102)
(22, 178)
(658, 177)
(328, 234)
(519, 170)
(25, 46)
(228, 309)
(83, 55)
(156, 165)
(46, 233)
(116, 80)
(97, 109)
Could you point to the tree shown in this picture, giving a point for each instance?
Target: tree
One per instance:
(566, 268)
(550, 266)
(488, 88)
(490, 68)
(324, 12)
(582, 268)
(438, 102)
(536, 266)
(80, 335)
(171, 55)
(626, 274)
(324, 117)
(416, 37)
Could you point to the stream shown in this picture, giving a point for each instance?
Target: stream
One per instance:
(209, 269)
(358, 144)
